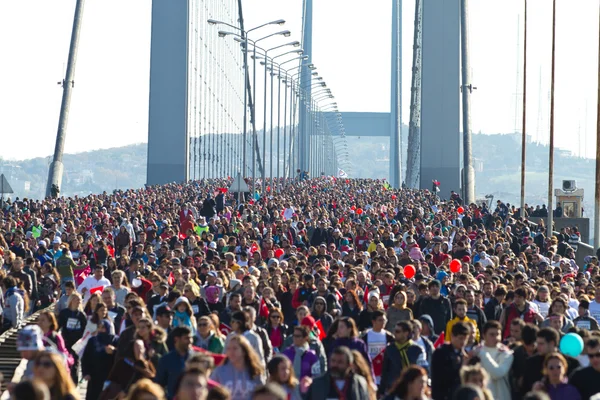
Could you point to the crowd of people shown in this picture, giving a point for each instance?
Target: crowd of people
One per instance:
(322, 289)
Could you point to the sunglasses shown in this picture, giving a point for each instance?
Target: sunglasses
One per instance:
(553, 367)
(45, 364)
(275, 317)
(594, 355)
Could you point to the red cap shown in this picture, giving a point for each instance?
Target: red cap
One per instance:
(309, 321)
(466, 259)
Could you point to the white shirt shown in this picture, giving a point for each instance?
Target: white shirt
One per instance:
(89, 283)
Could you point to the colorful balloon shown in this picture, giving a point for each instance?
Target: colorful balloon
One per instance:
(455, 266)
(409, 271)
(278, 253)
(359, 211)
(394, 197)
(460, 210)
(571, 345)
(353, 208)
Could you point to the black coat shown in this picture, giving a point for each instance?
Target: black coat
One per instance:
(445, 372)
(440, 311)
(393, 364)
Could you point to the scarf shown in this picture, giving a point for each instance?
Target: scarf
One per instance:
(182, 319)
(103, 339)
(298, 358)
(403, 354)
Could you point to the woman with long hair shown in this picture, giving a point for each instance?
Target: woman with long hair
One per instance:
(128, 370)
(555, 382)
(154, 339)
(362, 368)
(352, 306)
(347, 335)
(90, 305)
(72, 322)
(50, 369)
(100, 313)
(281, 372)
(48, 285)
(49, 326)
(411, 385)
(242, 370)
(276, 329)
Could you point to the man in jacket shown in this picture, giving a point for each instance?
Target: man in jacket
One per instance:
(422, 341)
(493, 308)
(447, 361)
(400, 354)
(436, 306)
(171, 365)
(339, 382)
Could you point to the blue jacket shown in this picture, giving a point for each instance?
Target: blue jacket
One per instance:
(170, 366)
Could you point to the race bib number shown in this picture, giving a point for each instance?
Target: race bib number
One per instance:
(315, 370)
(385, 299)
(195, 308)
(584, 325)
(73, 323)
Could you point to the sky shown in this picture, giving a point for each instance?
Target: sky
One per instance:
(351, 49)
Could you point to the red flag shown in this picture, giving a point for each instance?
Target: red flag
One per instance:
(182, 236)
(218, 358)
(79, 278)
(264, 310)
(225, 329)
(97, 289)
(366, 296)
(253, 248)
(322, 333)
(440, 341)
(377, 362)
(171, 279)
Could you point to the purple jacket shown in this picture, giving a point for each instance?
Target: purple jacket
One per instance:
(310, 362)
(563, 391)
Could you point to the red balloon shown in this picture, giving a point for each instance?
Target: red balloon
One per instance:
(409, 271)
(359, 211)
(460, 210)
(278, 253)
(455, 265)
(353, 208)
(394, 197)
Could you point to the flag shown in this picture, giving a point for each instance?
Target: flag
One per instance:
(342, 173)
(225, 329)
(97, 289)
(218, 358)
(440, 341)
(263, 309)
(322, 333)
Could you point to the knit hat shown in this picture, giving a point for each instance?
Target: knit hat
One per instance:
(309, 321)
(30, 338)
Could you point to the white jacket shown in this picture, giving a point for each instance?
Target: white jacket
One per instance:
(497, 364)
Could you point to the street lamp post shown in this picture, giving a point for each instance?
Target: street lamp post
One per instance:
(244, 36)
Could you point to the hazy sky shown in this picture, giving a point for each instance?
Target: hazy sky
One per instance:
(350, 48)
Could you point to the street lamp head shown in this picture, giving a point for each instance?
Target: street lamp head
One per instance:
(286, 33)
(223, 33)
(212, 21)
(304, 57)
(278, 22)
(312, 66)
(295, 44)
